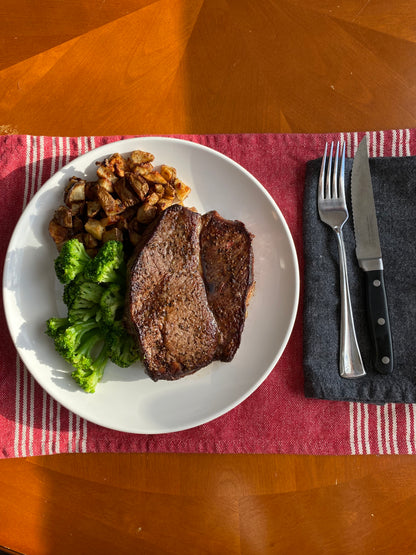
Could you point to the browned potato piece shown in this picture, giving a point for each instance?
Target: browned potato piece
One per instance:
(141, 157)
(152, 199)
(104, 172)
(95, 228)
(89, 241)
(108, 203)
(182, 190)
(93, 207)
(77, 208)
(138, 184)
(91, 190)
(142, 169)
(77, 224)
(164, 203)
(155, 177)
(146, 213)
(169, 191)
(59, 233)
(63, 216)
(118, 164)
(113, 234)
(159, 189)
(74, 191)
(108, 185)
(168, 173)
(110, 220)
(127, 196)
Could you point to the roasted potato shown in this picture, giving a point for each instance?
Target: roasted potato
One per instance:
(127, 195)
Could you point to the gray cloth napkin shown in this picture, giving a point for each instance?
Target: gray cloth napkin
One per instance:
(394, 184)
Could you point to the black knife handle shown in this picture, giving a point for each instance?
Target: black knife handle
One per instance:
(379, 321)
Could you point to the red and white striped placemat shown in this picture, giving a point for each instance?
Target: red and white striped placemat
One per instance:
(277, 418)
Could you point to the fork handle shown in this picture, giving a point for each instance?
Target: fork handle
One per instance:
(350, 361)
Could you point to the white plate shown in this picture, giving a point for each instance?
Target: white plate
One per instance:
(126, 399)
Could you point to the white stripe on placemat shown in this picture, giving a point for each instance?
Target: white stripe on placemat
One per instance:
(394, 143)
(359, 431)
(387, 428)
(352, 428)
(70, 419)
(407, 142)
(366, 429)
(408, 429)
(414, 425)
(68, 150)
(379, 431)
(394, 428)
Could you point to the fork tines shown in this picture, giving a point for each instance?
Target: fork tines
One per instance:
(336, 188)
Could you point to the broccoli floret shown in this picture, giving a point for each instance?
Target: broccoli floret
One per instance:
(108, 265)
(83, 312)
(79, 288)
(70, 340)
(122, 349)
(111, 303)
(88, 375)
(54, 326)
(85, 355)
(71, 261)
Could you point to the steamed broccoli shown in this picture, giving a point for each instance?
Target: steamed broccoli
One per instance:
(122, 348)
(71, 261)
(71, 338)
(111, 303)
(87, 375)
(93, 332)
(84, 311)
(54, 326)
(107, 265)
(80, 288)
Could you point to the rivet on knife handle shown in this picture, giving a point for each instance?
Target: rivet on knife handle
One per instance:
(379, 321)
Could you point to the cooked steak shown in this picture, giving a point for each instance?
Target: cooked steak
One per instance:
(167, 307)
(189, 281)
(227, 262)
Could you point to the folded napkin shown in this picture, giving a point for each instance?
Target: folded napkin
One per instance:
(394, 184)
(277, 417)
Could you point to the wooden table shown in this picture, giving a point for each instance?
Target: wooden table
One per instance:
(90, 67)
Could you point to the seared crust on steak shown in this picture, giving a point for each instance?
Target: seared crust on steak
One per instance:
(227, 263)
(189, 282)
(167, 307)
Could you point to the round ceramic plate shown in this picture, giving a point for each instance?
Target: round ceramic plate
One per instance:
(126, 399)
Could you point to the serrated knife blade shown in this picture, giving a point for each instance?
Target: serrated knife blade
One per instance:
(369, 257)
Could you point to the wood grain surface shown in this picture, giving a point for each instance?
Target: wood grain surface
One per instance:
(90, 67)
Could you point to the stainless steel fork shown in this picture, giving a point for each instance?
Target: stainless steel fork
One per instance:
(333, 211)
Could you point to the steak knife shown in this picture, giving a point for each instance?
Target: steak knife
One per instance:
(369, 257)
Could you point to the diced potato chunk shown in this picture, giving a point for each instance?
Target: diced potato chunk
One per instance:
(63, 216)
(165, 203)
(168, 173)
(113, 234)
(146, 213)
(182, 190)
(95, 228)
(141, 157)
(108, 203)
(138, 184)
(155, 177)
(75, 191)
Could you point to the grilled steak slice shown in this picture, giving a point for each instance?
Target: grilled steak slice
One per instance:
(167, 307)
(227, 263)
